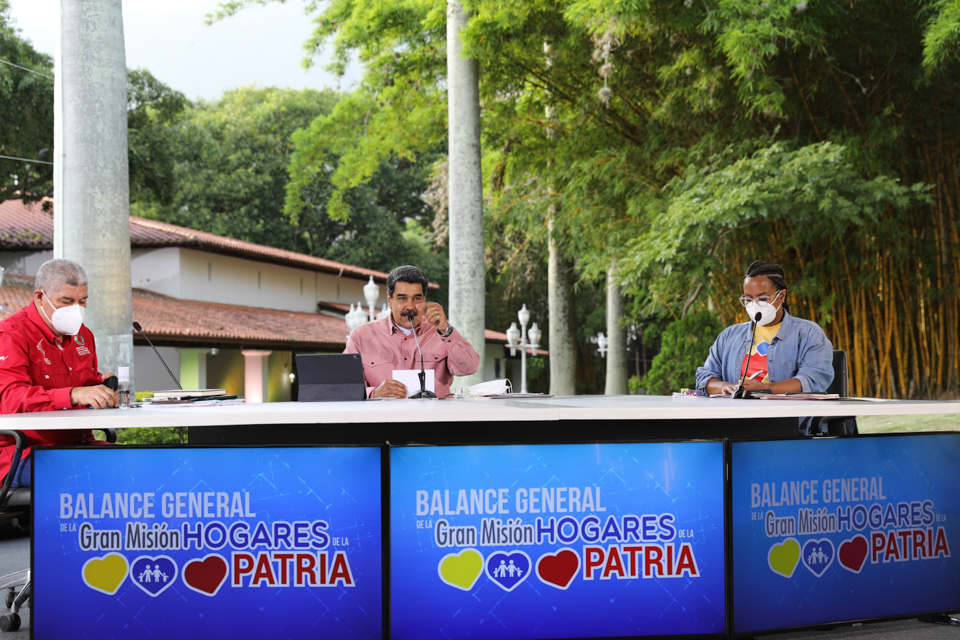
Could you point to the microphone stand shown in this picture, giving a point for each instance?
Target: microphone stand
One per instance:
(740, 392)
(136, 325)
(423, 393)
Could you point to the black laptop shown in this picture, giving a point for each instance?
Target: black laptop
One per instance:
(329, 377)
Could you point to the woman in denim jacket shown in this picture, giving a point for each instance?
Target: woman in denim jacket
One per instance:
(790, 355)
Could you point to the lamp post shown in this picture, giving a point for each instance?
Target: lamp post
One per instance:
(371, 292)
(355, 317)
(602, 344)
(517, 338)
(358, 315)
(633, 339)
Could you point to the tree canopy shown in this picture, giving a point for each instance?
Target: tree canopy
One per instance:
(682, 140)
(26, 111)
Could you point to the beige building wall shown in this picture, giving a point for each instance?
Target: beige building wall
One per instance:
(156, 270)
(190, 274)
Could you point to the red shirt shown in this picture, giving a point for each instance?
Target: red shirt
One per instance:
(37, 372)
(383, 348)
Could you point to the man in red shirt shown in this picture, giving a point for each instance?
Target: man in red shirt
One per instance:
(48, 360)
(388, 344)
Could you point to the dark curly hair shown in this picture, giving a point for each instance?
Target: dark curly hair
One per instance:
(409, 274)
(773, 272)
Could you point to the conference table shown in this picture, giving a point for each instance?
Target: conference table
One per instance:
(563, 419)
(534, 517)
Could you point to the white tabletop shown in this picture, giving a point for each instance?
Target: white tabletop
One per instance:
(472, 410)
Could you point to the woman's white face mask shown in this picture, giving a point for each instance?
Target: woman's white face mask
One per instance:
(66, 320)
(768, 312)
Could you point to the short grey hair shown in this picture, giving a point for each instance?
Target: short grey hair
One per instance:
(54, 274)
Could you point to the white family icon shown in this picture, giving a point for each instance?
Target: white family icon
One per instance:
(152, 575)
(504, 570)
(817, 556)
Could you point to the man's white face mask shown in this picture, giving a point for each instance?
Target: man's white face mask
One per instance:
(66, 320)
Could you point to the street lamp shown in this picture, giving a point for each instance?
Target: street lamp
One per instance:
(517, 338)
(355, 317)
(602, 344)
(371, 292)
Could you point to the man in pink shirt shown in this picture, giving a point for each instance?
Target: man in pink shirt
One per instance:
(388, 343)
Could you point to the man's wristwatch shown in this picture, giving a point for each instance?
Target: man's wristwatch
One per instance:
(445, 334)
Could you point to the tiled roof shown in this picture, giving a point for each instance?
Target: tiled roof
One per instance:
(25, 226)
(169, 321)
(29, 227)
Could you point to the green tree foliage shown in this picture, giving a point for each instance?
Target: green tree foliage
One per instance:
(153, 109)
(941, 41)
(229, 169)
(223, 168)
(400, 110)
(26, 115)
(26, 111)
(734, 199)
(685, 345)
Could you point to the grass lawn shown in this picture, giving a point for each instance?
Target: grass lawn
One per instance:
(894, 424)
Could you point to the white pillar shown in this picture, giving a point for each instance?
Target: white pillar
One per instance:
(255, 375)
(563, 331)
(91, 178)
(617, 340)
(465, 189)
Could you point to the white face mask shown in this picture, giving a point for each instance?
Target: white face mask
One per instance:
(768, 312)
(66, 320)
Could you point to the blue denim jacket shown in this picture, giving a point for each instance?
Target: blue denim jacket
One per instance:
(800, 350)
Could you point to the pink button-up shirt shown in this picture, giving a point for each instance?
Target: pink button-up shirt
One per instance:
(383, 347)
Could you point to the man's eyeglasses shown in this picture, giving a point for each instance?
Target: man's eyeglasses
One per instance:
(761, 301)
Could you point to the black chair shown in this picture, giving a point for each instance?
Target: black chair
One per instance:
(15, 513)
(832, 425)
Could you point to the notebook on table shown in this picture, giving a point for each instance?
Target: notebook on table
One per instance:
(183, 394)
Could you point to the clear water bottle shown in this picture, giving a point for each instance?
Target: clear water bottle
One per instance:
(123, 386)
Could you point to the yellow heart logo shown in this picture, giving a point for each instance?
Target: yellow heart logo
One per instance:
(461, 570)
(783, 558)
(105, 574)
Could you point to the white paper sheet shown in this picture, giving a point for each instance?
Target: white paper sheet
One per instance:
(411, 379)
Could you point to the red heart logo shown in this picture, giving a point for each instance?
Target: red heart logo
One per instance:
(852, 553)
(206, 576)
(558, 569)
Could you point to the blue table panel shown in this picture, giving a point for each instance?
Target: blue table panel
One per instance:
(834, 530)
(203, 543)
(557, 541)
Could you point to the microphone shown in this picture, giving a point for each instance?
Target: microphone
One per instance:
(739, 392)
(423, 393)
(136, 325)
